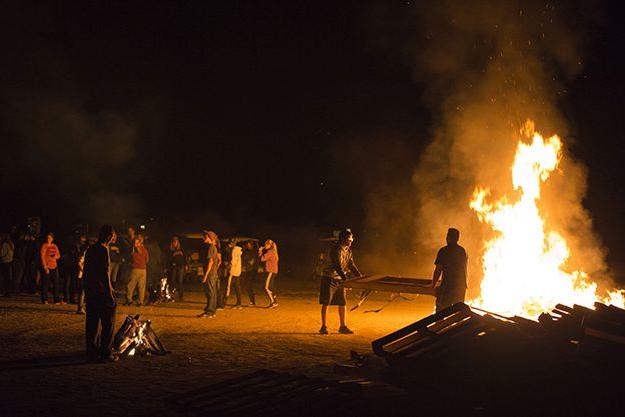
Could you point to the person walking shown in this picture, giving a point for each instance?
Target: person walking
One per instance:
(269, 258)
(138, 273)
(100, 299)
(7, 250)
(176, 264)
(209, 281)
(451, 265)
(50, 254)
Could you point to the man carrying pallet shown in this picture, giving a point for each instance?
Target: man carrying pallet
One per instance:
(340, 264)
(451, 263)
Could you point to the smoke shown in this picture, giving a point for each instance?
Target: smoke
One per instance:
(68, 159)
(486, 67)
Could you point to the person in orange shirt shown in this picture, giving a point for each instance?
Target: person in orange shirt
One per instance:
(49, 255)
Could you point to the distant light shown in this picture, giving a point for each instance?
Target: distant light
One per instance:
(142, 227)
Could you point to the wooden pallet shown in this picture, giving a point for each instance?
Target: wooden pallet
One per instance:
(385, 283)
(268, 393)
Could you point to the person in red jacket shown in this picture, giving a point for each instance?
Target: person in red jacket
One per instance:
(49, 254)
(138, 273)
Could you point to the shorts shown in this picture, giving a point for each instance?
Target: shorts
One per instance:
(331, 292)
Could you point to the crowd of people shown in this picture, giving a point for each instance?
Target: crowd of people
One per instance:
(87, 272)
(29, 265)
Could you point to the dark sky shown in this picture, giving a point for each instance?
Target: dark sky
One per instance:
(191, 111)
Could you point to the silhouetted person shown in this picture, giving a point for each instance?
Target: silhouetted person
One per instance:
(100, 299)
(176, 264)
(249, 267)
(451, 263)
(339, 267)
(7, 250)
(71, 262)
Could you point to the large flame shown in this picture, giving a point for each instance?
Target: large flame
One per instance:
(524, 265)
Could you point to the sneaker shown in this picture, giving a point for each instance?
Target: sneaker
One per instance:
(273, 305)
(251, 305)
(206, 316)
(323, 330)
(237, 307)
(44, 302)
(345, 330)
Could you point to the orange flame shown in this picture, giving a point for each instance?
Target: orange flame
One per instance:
(523, 266)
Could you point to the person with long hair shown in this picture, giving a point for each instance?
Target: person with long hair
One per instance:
(211, 277)
(50, 254)
(234, 274)
(176, 264)
(269, 258)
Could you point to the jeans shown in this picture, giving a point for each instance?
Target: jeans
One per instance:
(177, 280)
(210, 291)
(114, 271)
(235, 284)
(138, 277)
(99, 313)
(80, 291)
(52, 275)
(248, 280)
(71, 285)
(6, 272)
(18, 273)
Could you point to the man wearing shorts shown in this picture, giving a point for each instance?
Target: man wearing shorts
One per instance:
(340, 265)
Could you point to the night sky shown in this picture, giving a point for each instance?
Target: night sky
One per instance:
(242, 113)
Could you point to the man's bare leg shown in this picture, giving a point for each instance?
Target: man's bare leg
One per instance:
(342, 315)
(324, 314)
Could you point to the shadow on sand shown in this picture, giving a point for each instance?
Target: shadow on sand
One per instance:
(74, 359)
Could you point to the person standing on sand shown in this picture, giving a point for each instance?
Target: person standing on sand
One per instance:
(211, 277)
(339, 266)
(50, 254)
(138, 273)
(269, 259)
(100, 299)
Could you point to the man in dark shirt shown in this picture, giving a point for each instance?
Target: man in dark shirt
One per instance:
(100, 298)
(451, 263)
(340, 265)
(249, 266)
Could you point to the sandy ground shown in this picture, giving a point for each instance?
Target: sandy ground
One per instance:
(43, 373)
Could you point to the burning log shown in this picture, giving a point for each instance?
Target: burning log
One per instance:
(136, 337)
